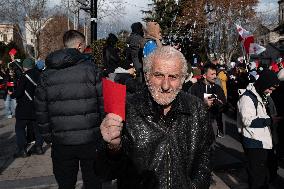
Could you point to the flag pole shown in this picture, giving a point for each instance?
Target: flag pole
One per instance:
(244, 54)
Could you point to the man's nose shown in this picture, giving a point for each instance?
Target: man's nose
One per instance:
(165, 84)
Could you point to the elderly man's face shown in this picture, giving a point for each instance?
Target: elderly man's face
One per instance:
(165, 80)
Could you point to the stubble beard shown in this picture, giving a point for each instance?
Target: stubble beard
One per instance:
(163, 98)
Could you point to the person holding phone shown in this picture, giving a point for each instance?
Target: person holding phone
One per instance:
(212, 95)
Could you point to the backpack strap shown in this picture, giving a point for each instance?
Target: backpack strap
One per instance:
(253, 98)
(30, 79)
(33, 82)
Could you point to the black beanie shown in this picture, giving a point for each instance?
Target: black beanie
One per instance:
(267, 79)
(137, 28)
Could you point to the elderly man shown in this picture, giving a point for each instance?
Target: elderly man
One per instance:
(165, 140)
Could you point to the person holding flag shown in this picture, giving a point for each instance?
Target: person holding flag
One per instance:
(25, 111)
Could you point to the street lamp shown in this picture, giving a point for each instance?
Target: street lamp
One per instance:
(92, 9)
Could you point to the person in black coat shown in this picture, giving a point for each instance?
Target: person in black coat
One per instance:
(134, 50)
(110, 54)
(164, 141)
(212, 94)
(25, 110)
(69, 108)
(277, 96)
(10, 83)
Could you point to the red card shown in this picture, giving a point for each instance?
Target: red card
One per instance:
(12, 52)
(114, 98)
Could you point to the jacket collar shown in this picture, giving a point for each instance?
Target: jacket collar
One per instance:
(65, 58)
(251, 88)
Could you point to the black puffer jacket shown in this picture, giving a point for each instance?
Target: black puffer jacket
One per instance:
(159, 151)
(69, 99)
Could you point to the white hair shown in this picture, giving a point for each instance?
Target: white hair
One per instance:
(165, 53)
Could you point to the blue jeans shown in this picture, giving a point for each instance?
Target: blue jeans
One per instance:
(10, 105)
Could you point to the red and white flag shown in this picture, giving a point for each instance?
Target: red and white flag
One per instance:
(246, 38)
(248, 43)
(243, 32)
(256, 48)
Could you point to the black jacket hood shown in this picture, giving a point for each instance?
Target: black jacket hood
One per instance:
(64, 58)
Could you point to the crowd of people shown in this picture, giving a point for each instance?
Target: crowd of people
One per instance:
(172, 116)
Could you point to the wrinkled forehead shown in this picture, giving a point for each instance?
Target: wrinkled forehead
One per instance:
(167, 66)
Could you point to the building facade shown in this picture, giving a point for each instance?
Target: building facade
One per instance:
(11, 33)
(272, 39)
(281, 11)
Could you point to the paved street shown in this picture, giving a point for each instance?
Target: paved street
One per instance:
(36, 170)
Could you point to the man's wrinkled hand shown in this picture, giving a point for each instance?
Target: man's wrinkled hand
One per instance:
(111, 128)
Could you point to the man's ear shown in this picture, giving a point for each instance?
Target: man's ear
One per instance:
(79, 46)
(204, 76)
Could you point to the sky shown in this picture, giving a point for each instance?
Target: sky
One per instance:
(268, 5)
(133, 14)
(132, 8)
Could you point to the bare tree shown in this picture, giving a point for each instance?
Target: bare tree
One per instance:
(52, 34)
(29, 14)
(110, 10)
(208, 26)
(213, 23)
(221, 31)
